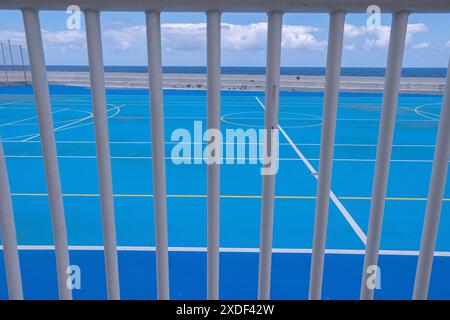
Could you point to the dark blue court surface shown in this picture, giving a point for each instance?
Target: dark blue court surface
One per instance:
(300, 119)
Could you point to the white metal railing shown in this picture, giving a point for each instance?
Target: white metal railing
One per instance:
(158, 152)
(270, 124)
(233, 5)
(94, 45)
(434, 203)
(213, 9)
(213, 205)
(8, 230)
(41, 94)
(334, 55)
(385, 139)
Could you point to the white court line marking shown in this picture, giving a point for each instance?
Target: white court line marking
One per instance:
(255, 160)
(30, 135)
(232, 250)
(357, 145)
(333, 197)
(34, 135)
(63, 126)
(425, 114)
(26, 119)
(428, 115)
(282, 118)
(117, 108)
(13, 102)
(71, 125)
(229, 119)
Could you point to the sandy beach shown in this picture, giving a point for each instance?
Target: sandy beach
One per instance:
(293, 83)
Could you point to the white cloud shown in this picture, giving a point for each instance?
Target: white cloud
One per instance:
(126, 37)
(349, 46)
(73, 39)
(192, 36)
(447, 45)
(189, 37)
(16, 37)
(184, 36)
(244, 37)
(422, 45)
(175, 36)
(414, 29)
(301, 37)
(60, 39)
(382, 34)
(378, 36)
(417, 28)
(352, 31)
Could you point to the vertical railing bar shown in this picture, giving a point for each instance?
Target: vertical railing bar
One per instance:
(384, 149)
(158, 151)
(23, 65)
(4, 63)
(11, 55)
(96, 72)
(213, 168)
(435, 195)
(41, 93)
(8, 230)
(331, 95)
(274, 27)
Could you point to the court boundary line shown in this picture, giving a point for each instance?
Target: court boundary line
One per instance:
(224, 159)
(356, 228)
(390, 252)
(357, 145)
(224, 196)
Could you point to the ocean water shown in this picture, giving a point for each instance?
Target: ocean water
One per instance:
(301, 71)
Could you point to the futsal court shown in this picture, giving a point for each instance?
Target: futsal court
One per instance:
(299, 144)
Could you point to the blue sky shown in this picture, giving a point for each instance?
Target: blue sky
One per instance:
(243, 39)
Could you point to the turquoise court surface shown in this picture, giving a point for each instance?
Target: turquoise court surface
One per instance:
(300, 119)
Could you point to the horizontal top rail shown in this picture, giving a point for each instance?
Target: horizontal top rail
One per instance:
(430, 6)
